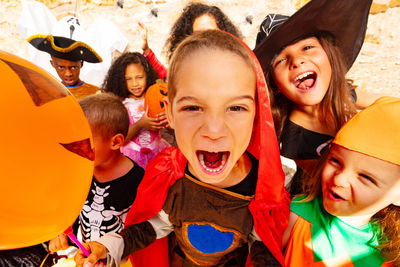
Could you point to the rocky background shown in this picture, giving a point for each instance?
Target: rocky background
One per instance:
(377, 68)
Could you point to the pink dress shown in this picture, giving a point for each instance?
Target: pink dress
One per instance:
(146, 144)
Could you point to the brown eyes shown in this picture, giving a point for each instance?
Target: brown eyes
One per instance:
(283, 58)
(63, 68)
(308, 47)
(197, 108)
(190, 108)
(237, 108)
(129, 78)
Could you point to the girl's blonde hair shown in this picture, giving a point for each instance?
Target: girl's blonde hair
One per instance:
(387, 220)
(210, 39)
(336, 107)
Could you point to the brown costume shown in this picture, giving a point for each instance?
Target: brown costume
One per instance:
(83, 89)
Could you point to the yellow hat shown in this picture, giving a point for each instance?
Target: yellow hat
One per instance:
(375, 131)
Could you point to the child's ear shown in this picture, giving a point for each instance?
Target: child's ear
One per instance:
(117, 141)
(168, 111)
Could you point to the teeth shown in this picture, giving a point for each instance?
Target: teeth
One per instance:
(223, 160)
(301, 76)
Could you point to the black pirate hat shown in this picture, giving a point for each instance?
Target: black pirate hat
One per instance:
(65, 48)
(345, 20)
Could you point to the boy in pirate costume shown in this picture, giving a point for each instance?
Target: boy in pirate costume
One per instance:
(221, 191)
(67, 57)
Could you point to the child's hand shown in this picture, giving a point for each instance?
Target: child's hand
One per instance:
(143, 34)
(98, 254)
(162, 119)
(153, 124)
(59, 243)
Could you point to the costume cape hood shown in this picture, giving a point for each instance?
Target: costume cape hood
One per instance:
(270, 206)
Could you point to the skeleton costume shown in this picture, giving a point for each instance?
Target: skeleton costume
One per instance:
(107, 204)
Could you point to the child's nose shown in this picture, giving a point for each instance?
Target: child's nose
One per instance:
(214, 127)
(296, 62)
(341, 179)
(68, 72)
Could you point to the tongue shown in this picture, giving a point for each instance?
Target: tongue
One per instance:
(212, 157)
(305, 84)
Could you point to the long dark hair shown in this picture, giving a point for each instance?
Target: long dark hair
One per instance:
(183, 26)
(336, 107)
(115, 79)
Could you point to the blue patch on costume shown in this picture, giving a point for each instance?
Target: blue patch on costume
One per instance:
(207, 239)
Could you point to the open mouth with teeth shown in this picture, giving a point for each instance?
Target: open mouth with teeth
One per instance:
(305, 80)
(213, 163)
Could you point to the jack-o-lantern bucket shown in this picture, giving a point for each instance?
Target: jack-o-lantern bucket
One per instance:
(154, 98)
(46, 158)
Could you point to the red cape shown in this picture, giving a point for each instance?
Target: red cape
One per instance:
(270, 207)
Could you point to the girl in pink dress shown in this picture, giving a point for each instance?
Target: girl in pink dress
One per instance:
(129, 77)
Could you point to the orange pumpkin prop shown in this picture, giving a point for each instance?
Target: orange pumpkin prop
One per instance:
(46, 159)
(154, 98)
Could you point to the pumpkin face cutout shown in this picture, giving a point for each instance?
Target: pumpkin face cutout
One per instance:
(154, 98)
(46, 159)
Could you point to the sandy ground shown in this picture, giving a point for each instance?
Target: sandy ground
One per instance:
(377, 68)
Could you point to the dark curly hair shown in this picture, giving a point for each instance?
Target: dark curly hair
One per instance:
(183, 26)
(115, 78)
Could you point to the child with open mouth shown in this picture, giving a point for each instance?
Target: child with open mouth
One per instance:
(222, 190)
(305, 58)
(350, 215)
